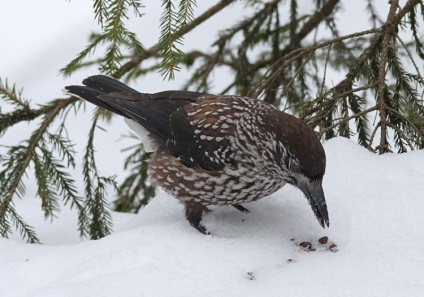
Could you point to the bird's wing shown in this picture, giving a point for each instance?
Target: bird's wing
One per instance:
(189, 124)
(152, 111)
(172, 117)
(201, 134)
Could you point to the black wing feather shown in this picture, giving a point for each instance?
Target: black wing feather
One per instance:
(162, 114)
(107, 84)
(152, 111)
(153, 114)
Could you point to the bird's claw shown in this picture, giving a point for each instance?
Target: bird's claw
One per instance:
(240, 208)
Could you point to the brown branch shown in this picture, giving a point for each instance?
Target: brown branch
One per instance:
(296, 54)
(267, 9)
(27, 114)
(310, 25)
(401, 134)
(325, 109)
(4, 92)
(303, 32)
(287, 86)
(346, 119)
(327, 58)
(411, 58)
(316, 19)
(387, 30)
(387, 35)
(403, 117)
(374, 132)
(287, 51)
(407, 8)
(210, 66)
(158, 46)
(27, 155)
(363, 88)
(393, 19)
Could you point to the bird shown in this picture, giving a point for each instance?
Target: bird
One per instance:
(216, 149)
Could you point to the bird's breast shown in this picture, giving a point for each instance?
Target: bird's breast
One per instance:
(243, 183)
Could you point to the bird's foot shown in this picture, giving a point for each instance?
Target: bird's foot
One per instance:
(194, 212)
(240, 208)
(201, 229)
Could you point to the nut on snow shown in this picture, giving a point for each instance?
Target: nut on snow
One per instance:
(323, 240)
(305, 245)
(333, 248)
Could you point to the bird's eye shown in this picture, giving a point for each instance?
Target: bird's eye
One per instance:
(291, 180)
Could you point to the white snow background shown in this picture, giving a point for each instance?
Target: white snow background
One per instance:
(376, 206)
(376, 211)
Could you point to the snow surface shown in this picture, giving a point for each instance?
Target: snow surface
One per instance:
(376, 210)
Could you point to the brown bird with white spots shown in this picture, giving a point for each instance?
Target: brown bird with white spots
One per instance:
(216, 149)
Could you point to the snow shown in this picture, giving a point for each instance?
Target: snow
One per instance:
(376, 212)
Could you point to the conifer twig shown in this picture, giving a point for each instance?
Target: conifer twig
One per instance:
(184, 30)
(381, 80)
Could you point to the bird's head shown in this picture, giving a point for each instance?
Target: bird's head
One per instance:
(304, 162)
(313, 191)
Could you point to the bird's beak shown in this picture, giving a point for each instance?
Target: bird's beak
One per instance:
(315, 195)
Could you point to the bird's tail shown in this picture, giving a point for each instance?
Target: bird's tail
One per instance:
(98, 85)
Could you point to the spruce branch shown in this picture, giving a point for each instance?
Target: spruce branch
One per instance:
(13, 96)
(412, 60)
(374, 18)
(24, 229)
(327, 9)
(346, 119)
(112, 33)
(78, 60)
(414, 28)
(45, 191)
(152, 51)
(387, 36)
(10, 119)
(135, 191)
(419, 130)
(296, 74)
(112, 16)
(95, 204)
(294, 55)
(16, 165)
(307, 28)
(295, 41)
(400, 136)
(170, 52)
(99, 208)
(100, 11)
(58, 177)
(186, 12)
(327, 59)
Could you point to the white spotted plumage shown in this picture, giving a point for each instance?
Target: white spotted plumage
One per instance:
(251, 177)
(212, 149)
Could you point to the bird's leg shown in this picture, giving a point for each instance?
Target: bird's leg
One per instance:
(240, 208)
(194, 212)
